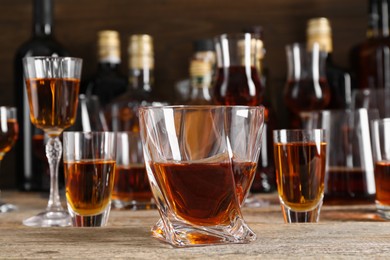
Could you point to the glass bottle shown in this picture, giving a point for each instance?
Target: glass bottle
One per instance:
(108, 82)
(204, 50)
(339, 80)
(265, 173)
(31, 163)
(122, 112)
(371, 58)
(237, 80)
(200, 76)
(306, 87)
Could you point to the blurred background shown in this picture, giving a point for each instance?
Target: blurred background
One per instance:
(174, 25)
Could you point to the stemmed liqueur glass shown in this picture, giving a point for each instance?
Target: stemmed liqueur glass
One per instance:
(8, 134)
(52, 88)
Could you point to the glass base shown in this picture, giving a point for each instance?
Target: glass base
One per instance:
(98, 220)
(185, 235)
(49, 219)
(6, 207)
(292, 216)
(134, 205)
(383, 210)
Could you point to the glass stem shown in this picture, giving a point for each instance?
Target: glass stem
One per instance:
(53, 154)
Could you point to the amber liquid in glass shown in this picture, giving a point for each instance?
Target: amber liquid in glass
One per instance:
(53, 103)
(300, 172)
(307, 95)
(235, 86)
(131, 183)
(89, 185)
(243, 176)
(382, 182)
(8, 135)
(200, 193)
(347, 186)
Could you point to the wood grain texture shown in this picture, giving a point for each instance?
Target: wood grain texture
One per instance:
(343, 233)
(174, 24)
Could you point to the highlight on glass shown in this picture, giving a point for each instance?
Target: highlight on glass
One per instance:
(52, 88)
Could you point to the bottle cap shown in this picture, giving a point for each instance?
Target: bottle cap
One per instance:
(141, 51)
(203, 45)
(319, 30)
(109, 46)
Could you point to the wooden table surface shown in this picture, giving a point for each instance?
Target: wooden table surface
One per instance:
(344, 232)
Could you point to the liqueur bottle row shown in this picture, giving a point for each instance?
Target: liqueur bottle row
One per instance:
(214, 78)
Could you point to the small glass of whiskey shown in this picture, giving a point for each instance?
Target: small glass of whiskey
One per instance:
(381, 147)
(193, 167)
(131, 184)
(89, 167)
(300, 162)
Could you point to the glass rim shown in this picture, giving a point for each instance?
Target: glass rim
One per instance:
(200, 107)
(341, 110)
(299, 130)
(305, 46)
(234, 36)
(299, 135)
(53, 58)
(9, 108)
(88, 132)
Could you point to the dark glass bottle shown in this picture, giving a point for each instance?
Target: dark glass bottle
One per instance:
(31, 163)
(122, 112)
(200, 76)
(108, 82)
(339, 80)
(371, 58)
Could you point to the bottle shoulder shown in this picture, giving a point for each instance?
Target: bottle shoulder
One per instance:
(41, 46)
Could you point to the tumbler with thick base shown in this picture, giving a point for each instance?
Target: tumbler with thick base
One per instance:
(189, 165)
(300, 160)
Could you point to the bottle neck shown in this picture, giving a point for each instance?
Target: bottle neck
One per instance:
(378, 25)
(43, 17)
(141, 79)
(106, 65)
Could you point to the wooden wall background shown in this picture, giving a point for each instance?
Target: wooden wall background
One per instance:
(174, 24)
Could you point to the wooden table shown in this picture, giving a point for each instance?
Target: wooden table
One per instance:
(343, 232)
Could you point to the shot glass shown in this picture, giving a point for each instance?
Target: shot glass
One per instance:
(131, 185)
(189, 161)
(300, 162)
(381, 144)
(89, 167)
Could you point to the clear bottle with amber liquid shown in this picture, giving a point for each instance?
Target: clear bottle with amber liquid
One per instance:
(31, 162)
(108, 81)
(122, 112)
(200, 78)
(339, 80)
(370, 59)
(237, 79)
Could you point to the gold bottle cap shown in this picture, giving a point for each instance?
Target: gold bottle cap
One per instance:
(141, 51)
(109, 46)
(319, 30)
(199, 68)
(200, 72)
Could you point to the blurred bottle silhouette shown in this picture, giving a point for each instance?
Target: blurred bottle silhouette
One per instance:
(319, 30)
(90, 117)
(306, 88)
(370, 59)
(108, 81)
